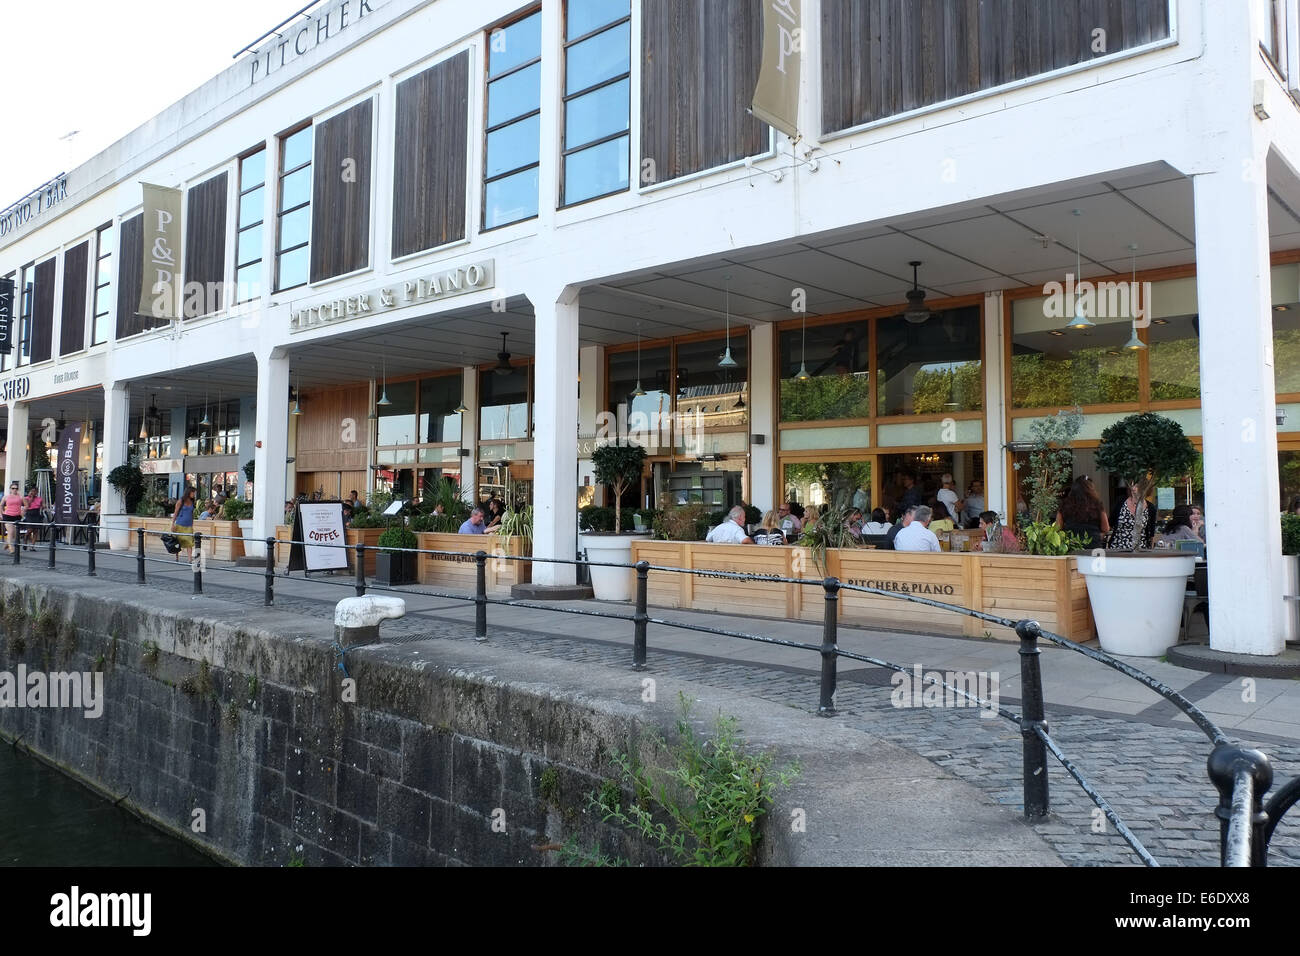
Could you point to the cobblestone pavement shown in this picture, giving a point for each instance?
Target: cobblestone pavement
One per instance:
(1152, 774)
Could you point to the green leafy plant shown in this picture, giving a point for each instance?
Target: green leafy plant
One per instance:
(1290, 534)
(680, 523)
(237, 509)
(1044, 537)
(618, 466)
(397, 537)
(149, 653)
(1051, 462)
(712, 793)
(128, 481)
(828, 532)
(1146, 449)
(248, 468)
(362, 518)
(517, 523)
(597, 517)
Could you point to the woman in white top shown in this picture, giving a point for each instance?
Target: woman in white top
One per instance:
(879, 523)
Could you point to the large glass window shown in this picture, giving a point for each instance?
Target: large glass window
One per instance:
(836, 484)
(103, 306)
(917, 477)
(651, 413)
(28, 295)
(597, 93)
(711, 396)
(248, 249)
(158, 443)
(513, 146)
(1055, 367)
(835, 358)
(1175, 350)
(294, 216)
(439, 398)
(932, 367)
(220, 436)
(1286, 347)
(397, 423)
(503, 411)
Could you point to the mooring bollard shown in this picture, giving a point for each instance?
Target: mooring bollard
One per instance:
(1231, 767)
(830, 653)
(54, 536)
(90, 550)
(361, 569)
(1035, 750)
(640, 615)
(198, 562)
(139, 555)
(270, 572)
(480, 596)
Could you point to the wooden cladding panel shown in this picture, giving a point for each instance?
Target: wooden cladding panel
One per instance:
(430, 152)
(205, 243)
(919, 52)
(700, 65)
(42, 326)
(130, 278)
(340, 210)
(327, 418)
(72, 323)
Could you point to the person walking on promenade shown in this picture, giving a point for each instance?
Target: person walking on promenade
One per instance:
(12, 504)
(183, 524)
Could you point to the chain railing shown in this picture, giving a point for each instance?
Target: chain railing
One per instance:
(1241, 775)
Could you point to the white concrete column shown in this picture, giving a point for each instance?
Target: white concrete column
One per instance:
(555, 440)
(469, 434)
(16, 456)
(1238, 406)
(995, 412)
(272, 442)
(591, 395)
(763, 480)
(117, 416)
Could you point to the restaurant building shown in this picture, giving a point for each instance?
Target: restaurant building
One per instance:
(426, 239)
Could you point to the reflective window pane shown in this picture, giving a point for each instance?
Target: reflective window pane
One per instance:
(297, 149)
(103, 299)
(295, 189)
(835, 358)
(104, 270)
(504, 404)
(932, 367)
(439, 397)
(252, 170)
(583, 16)
(1286, 349)
(511, 199)
(597, 114)
(1175, 358)
(834, 484)
(513, 146)
(515, 95)
(250, 244)
(295, 227)
(397, 420)
(292, 269)
(596, 171)
(710, 395)
(249, 282)
(601, 57)
(250, 207)
(101, 328)
(515, 44)
(1054, 367)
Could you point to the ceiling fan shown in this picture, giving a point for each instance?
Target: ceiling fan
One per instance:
(917, 311)
(503, 366)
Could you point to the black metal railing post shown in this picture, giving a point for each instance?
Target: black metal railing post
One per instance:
(17, 527)
(139, 555)
(1037, 801)
(1243, 842)
(361, 569)
(91, 535)
(270, 572)
(640, 616)
(198, 562)
(54, 536)
(480, 596)
(830, 652)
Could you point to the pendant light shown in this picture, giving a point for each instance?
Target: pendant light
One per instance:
(383, 396)
(85, 434)
(461, 408)
(297, 398)
(917, 311)
(373, 416)
(503, 366)
(639, 392)
(1080, 322)
(1134, 344)
(802, 375)
(206, 422)
(727, 361)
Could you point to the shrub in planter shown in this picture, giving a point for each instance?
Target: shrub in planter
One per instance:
(618, 466)
(1044, 537)
(597, 518)
(1145, 449)
(236, 509)
(1290, 534)
(679, 523)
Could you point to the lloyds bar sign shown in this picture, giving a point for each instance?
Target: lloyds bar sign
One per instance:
(6, 316)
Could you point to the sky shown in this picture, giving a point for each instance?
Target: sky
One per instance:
(100, 68)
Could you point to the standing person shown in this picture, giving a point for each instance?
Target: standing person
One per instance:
(183, 524)
(1081, 512)
(912, 495)
(12, 504)
(861, 500)
(947, 494)
(35, 512)
(1134, 521)
(354, 500)
(917, 536)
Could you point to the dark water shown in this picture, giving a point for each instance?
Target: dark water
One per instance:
(47, 819)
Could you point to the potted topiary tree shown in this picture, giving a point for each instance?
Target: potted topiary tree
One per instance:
(618, 466)
(1137, 595)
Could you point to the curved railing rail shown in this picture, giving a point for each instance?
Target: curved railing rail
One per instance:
(1241, 775)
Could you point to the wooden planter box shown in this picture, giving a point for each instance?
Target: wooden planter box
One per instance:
(370, 538)
(457, 573)
(283, 532)
(1048, 589)
(221, 549)
(153, 545)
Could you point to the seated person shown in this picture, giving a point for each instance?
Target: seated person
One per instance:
(473, 524)
(917, 536)
(770, 531)
(942, 520)
(853, 523)
(209, 512)
(731, 531)
(894, 530)
(1179, 527)
(347, 515)
(997, 536)
(879, 523)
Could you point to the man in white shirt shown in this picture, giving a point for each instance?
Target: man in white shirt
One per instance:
(917, 536)
(731, 531)
(948, 495)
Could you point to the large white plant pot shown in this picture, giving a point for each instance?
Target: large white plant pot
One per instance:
(1291, 603)
(1137, 601)
(611, 584)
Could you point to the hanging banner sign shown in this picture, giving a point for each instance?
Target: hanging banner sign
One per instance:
(160, 288)
(6, 316)
(319, 528)
(67, 487)
(776, 97)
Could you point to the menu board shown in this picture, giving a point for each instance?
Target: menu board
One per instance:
(319, 528)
